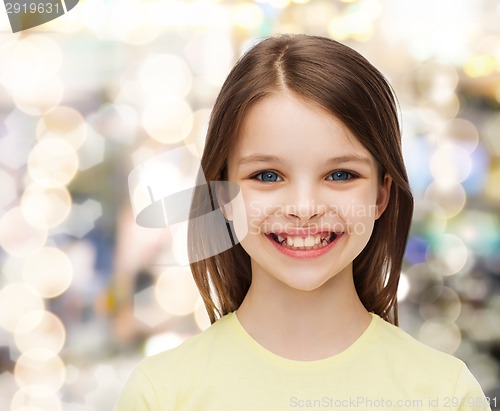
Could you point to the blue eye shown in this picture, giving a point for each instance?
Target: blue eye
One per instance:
(340, 176)
(267, 176)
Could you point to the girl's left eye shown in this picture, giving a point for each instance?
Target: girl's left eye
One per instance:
(341, 175)
(267, 176)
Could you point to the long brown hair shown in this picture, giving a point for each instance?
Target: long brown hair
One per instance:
(344, 83)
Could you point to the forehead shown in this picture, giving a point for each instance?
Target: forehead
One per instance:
(283, 124)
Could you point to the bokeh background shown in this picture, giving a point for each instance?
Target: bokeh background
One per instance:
(85, 292)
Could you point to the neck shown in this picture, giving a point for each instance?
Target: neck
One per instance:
(304, 325)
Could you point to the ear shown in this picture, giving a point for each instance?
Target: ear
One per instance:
(384, 193)
(223, 198)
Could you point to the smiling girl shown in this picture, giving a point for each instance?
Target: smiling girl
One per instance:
(303, 307)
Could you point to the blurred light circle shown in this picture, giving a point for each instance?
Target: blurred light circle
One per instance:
(40, 329)
(477, 180)
(17, 236)
(482, 325)
(247, 16)
(200, 315)
(40, 367)
(451, 198)
(416, 249)
(480, 230)
(179, 243)
(440, 335)
(16, 300)
(134, 23)
(440, 302)
(279, 4)
(420, 278)
(17, 62)
(445, 109)
(40, 98)
(128, 91)
(35, 398)
(198, 132)
(165, 75)
(434, 118)
(52, 54)
(494, 306)
(211, 55)
(460, 132)
(53, 162)
(161, 342)
(356, 22)
(45, 207)
(8, 189)
(150, 184)
(338, 28)
(73, 374)
(116, 121)
(436, 81)
(176, 291)
(49, 271)
(63, 122)
(473, 289)
(28, 61)
(480, 65)
(491, 132)
(168, 121)
(429, 218)
(450, 253)
(147, 310)
(403, 287)
(11, 267)
(450, 164)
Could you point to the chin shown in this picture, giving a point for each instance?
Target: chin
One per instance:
(307, 279)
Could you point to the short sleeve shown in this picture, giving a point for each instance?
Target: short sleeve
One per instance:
(138, 394)
(468, 393)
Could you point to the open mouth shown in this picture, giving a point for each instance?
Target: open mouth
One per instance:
(309, 242)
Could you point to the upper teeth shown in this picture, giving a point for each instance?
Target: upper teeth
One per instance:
(308, 241)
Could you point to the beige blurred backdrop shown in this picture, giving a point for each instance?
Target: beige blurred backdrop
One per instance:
(85, 292)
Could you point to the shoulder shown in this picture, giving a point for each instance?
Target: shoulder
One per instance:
(162, 381)
(191, 354)
(400, 345)
(415, 362)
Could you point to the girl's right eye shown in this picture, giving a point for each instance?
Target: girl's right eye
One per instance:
(267, 176)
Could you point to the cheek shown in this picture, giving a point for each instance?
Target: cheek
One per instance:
(358, 210)
(254, 212)
(239, 216)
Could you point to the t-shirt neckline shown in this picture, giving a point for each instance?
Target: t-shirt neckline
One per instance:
(255, 346)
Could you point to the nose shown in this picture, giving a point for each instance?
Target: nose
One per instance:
(304, 204)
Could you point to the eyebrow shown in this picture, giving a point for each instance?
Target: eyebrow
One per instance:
(259, 158)
(350, 158)
(264, 158)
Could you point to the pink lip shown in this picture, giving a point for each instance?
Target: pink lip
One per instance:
(302, 232)
(317, 252)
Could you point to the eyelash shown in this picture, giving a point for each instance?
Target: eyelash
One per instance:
(258, 176)
(260, 173)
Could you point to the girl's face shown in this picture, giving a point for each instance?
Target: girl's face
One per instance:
(310, 190)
